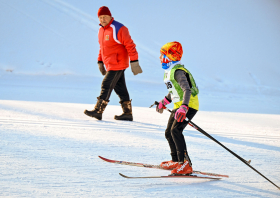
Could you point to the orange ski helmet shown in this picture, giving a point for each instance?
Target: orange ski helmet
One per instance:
(173, 50)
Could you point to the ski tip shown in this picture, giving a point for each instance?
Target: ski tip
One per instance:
(103, 158)
(123, 175)
(107, 160)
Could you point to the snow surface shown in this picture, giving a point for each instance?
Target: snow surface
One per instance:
(48, 76)
(51, 149)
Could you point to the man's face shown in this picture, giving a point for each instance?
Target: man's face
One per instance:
(104, 19)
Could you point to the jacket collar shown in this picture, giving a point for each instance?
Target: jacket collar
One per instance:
(108, 25)
(172, 65)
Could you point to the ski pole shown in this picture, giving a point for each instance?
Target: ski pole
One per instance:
(212, 138)
(206, 134)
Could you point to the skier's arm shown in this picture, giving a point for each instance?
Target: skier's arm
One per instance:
(168, 96)
(180, 77)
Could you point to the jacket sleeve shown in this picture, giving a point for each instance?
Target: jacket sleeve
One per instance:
(125, 38)
(99, 56)
(180, 77)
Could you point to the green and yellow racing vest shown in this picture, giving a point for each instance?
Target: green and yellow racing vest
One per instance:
(176, 91)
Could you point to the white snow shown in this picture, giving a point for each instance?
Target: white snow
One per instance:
(48, 76)
(51, 149)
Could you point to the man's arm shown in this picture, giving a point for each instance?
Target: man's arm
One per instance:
(99, 59)
(125, 38)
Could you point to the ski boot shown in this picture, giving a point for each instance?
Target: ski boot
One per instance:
(98, 109)
(169, 165)
(127, 111)
(182, 169)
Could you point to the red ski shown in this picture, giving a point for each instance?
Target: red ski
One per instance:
(172, 176)
(157, 167)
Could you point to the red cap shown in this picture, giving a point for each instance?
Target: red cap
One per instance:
(103, 11)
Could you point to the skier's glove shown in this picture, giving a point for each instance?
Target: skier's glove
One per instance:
(180, 114)
(101, 67)
(135, 67)
(162, 104)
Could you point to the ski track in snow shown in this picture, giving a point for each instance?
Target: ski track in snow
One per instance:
(51, 149)
(75, 13)
(22, 12)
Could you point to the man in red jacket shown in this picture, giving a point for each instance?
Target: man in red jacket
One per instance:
(116, 50)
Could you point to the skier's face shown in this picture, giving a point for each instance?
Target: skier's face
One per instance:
(161, 58)
(104, 19)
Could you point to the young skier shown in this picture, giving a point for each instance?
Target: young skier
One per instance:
(183, 93)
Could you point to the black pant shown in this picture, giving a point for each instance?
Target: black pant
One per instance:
(175, 137)
(114, 80)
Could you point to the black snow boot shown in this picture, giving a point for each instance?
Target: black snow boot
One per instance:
(98, 109)
(127, 111)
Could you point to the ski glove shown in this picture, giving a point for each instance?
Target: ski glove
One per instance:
(162, 104)
(135, 67)
(180, 114)
(101, 67)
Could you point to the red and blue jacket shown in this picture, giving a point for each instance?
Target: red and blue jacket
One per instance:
(116, 46)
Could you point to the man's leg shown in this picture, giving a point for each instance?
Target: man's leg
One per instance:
(122, 92)
(108, 84)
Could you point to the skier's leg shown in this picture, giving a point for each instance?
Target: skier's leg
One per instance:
(178, 137)
(169, 138)
(185, 165)
(174, 162)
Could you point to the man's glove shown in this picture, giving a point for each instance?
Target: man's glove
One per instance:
(162, 104)
(180, 114)
(101, 67)
(135, 67)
